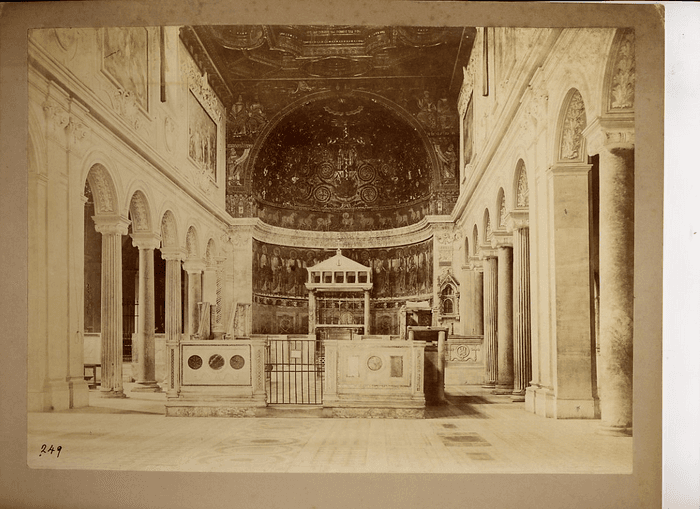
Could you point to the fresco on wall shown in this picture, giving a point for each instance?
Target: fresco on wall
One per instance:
(202, 137)
(125, 60)
(340, 157)
(397, 272)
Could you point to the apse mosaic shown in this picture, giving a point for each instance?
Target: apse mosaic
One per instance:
(339, 157)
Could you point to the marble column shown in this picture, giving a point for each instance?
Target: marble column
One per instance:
(442, 336)
(490, 318)
(613, 139)
(616, 289)
(112, 228)
(312, 312)
(472, 299)
(367, 311)
(504, 380)
(194, 269)
(146, 337)
(522, 358)
(173, 316)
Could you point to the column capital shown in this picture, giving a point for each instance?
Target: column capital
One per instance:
(145, 240)
(111, 224)
(476, 263)
(610, 132)
(518, 219)
(173, 253)
(501, 238)
(488, 251)
(192, 266)
(569, 169)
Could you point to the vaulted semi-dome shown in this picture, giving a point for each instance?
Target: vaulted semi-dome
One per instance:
(342, 162)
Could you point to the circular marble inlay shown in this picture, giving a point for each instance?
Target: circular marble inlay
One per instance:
(216, 361)
(194, 362)
(237, 362)
(374, 363)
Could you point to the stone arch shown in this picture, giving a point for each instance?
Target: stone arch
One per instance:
(103, 190)
(571, 144)
(140, 213)
(192, 243)
(521, 192)
(168, 230)
(620, 74)
(501, 209)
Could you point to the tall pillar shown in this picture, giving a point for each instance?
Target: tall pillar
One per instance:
(504, 380)
(312, 312)
(173, 316)
(194, 269)
(522, 358)
(473, 298)
(490, 318)
(146, 337)
(112, 228)
(613, 139)
(616, 289)
(367, 312)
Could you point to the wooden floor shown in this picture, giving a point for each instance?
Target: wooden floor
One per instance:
(474, 432)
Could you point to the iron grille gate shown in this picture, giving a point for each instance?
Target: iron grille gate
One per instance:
(294, 371)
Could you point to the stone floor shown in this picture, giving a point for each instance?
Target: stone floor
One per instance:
(476, 432)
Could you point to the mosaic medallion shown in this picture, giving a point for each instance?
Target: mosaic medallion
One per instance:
(374, 363)
(216, 361)
(237, 362)
(194, 362)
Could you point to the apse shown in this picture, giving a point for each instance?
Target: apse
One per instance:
(342, 162)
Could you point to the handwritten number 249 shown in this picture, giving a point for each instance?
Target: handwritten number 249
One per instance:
(50, 450)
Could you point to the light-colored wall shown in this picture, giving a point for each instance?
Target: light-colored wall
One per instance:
(79, 117)
(521, 119)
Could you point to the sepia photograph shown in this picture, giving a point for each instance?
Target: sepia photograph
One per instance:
(347, 244)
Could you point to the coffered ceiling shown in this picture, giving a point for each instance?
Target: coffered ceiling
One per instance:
(238, 58)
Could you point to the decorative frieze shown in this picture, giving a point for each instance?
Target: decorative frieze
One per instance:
(56, 116)
(126, 105)
(522, 197)
(624, 74)
(572, 131)
(199, 85)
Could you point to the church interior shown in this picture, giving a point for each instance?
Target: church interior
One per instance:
(332, 248)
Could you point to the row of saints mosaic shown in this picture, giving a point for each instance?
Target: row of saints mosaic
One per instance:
(396, 272)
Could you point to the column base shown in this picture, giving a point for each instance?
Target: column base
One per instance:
(530, 399)
(489, 385)
(57, 395)
(614, 431)
(503, 390)
(79, 393)
(517, 396)
(111, 394)
(151, 386)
